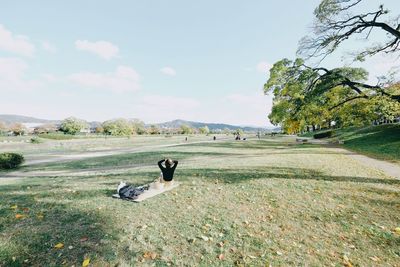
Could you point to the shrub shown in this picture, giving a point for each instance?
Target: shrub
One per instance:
(323, 134)
(56, 136)
(10, 160)
(35, 140)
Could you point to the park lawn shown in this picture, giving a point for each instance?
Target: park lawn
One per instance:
(252, 203)
(381, 141)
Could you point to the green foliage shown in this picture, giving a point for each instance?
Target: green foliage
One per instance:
(204, 130)
(10, 160)
(138, 126)
(3, 127)
(185, 129)
(303, 96)
(72, 125)
(35, 140)
(238, 132)
(118, 127)
(56, 136)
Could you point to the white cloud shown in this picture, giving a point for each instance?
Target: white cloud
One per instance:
(50, 78)
(263, 67)
(103, 49)
(123, 79)
(168, 71)
(47, 46)
(12, 72)
(17, 44)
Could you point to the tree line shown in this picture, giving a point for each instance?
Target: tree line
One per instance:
(115, 127)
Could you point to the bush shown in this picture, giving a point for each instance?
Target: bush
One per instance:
(323, 134)
(10, 160)
(35, 140)
(57, 136)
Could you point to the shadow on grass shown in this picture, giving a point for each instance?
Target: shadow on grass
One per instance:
(258, 144)
(239, 175)
(133, 159)
(45, 222)
(242, 175)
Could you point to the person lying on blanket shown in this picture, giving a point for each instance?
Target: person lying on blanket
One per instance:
(165, 180)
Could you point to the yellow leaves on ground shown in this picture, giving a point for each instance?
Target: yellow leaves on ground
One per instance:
(397, 230)
(59, 246)
(14, 207)
(86, 262)
(150, 255)
(346, 261)
(221, 257)
(19, 216)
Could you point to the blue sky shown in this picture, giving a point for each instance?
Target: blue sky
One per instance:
(153, 60)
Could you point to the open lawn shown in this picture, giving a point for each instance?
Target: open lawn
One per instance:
(250, 203)
(381, 141)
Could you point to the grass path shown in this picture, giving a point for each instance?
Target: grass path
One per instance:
(252, 203)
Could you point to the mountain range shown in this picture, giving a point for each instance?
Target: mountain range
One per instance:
(11, 118)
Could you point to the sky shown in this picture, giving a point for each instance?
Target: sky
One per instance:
(155, 60)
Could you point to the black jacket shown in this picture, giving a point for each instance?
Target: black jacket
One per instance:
(168, 173)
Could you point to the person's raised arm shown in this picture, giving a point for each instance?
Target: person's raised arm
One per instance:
(160, 163)
(175, 164)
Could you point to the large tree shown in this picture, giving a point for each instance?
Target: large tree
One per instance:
(72, 125)
(337, 21)
(117, 127)
(305, 96)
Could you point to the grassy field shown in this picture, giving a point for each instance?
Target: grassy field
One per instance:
(245, 203)
(382, 141)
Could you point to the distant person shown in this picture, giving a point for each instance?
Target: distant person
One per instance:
(214, 138)
(185, 138)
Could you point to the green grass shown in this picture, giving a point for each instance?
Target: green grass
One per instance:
(378, 141)
(382, 141)
(257, 203)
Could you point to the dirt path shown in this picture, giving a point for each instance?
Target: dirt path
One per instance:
(388, 168)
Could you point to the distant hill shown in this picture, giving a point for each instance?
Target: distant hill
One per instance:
(211, 126)
(10, 118)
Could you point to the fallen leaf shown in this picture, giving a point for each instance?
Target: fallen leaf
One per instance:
(397, 230)
(346, 261)
(150, 255)
(221, 257)
(14, 207)
(59, 246)
(86, 262)
(374, 258)
(40, 216)
(83, 239)
(70, 247)
(25, 209)
(19, 216)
